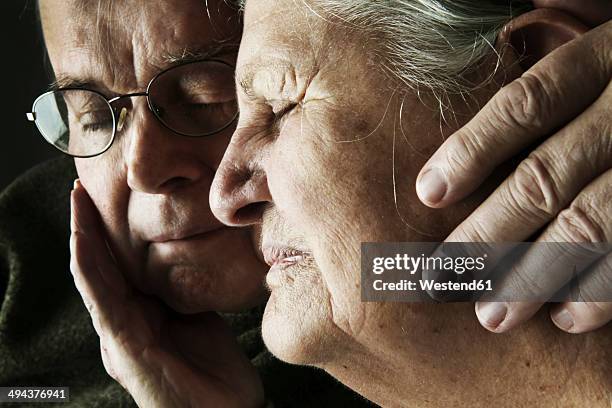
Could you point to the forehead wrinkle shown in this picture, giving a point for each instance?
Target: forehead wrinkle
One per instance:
(290, 29)
(106, 44)
(124, 44)
(247, 72)
(286, 13)
(279, 54)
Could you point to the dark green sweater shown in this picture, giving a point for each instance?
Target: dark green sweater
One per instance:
(46, 336)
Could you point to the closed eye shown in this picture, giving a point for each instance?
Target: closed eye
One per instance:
(284, 109)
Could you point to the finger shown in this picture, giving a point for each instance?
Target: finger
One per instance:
(493, 316)
(543, 99)
(547, 267)
(538, 277)
(592, 12)
(107, 361)
(89, 256)
(544, 184)
(83, 263)
(87, 227)
(580, 317)
(490, 254)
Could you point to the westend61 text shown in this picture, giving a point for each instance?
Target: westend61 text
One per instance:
(429, 285)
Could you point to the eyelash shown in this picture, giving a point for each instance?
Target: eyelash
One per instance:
(267, 114)
(285, 110)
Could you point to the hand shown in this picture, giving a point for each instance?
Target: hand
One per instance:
(566, 182)
(161, 358)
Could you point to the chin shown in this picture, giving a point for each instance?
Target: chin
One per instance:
(195, 289)
(296, 325)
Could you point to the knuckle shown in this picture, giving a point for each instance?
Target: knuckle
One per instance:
(74, 266)
(473, 230)
(109, 365)
(525, 285)
(601, 128)
(600, 50)
(595, 312)
(533, 189)
(524, 102)
(465, 148)
(597, 285)
(107, 361)
(581, 222)
(89, 306)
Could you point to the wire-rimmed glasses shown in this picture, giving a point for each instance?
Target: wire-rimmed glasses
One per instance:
(194, 99)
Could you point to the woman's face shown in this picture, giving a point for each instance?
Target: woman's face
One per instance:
(325, 157)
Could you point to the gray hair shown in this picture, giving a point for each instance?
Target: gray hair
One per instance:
(431, 44)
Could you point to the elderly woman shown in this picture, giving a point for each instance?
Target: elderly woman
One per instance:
(329, 142)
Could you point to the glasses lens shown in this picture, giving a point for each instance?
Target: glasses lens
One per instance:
(78, 122)
(195, 99)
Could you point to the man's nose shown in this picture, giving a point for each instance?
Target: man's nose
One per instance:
(239, 192)
(157, 160)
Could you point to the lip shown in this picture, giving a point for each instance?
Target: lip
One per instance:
(282, 255)
(182, 235)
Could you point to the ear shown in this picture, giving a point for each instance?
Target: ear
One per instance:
(534, 34)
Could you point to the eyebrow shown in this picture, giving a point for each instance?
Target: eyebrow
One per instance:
(183, 56)
(187, 55)
(246, 75)
(245, 82)
(68, 81)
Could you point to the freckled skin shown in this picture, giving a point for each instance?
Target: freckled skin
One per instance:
(328, 166)
(153, 181)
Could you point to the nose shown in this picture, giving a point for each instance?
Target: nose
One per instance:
(157, 160)
(239, 192)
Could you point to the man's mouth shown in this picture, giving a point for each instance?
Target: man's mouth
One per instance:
(184, 235)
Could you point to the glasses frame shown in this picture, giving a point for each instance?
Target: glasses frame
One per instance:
(31, 116)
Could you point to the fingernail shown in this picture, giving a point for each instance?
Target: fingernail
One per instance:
(563, 318)
(491, 314)
(75, 184)
(431, 186)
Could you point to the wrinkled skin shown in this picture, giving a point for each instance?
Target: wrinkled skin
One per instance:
(314, 162)
(151, 186)
(141, 226)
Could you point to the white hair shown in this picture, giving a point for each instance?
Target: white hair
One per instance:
(432, 44)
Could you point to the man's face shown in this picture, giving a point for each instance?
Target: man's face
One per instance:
(151, 187)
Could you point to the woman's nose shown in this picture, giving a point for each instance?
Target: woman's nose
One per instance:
(239, 191)
(156, 160)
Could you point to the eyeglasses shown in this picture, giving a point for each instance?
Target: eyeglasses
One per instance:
(194, 99)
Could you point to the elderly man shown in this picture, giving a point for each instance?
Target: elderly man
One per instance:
(144, 99)
(165, 77)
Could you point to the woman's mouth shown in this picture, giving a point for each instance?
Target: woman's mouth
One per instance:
(281, 256)
(284, 264)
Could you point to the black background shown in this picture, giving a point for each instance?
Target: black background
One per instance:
(24, 77)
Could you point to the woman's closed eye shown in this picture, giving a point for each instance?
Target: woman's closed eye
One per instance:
(281, 108)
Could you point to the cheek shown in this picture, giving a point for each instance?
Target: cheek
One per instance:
(335, 190)
(326, 191)
(104, 179)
